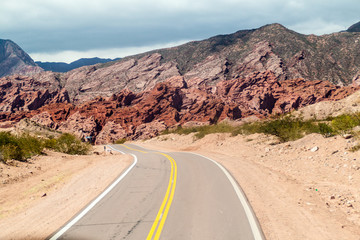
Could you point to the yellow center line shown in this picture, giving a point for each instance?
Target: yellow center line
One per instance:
(132, 148)
(166, 204)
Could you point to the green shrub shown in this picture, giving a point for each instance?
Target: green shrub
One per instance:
(345, 122)
(120, 141)
(19, 147)
(69, 144)
(30, 145)
(50, 143)
(326, 130)
(286, 128)
(10, 151)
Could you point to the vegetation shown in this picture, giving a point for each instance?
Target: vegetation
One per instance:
(25, 146)
(120, 141)
(18, 147)
(286, 128)
(68, 143)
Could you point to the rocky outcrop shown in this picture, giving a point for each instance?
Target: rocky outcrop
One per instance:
(110, 133)
(82, 126)
(25, 94)
(262, 93)
(176, 101)
(85, 83)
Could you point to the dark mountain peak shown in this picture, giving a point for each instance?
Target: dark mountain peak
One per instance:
(14, 60)
(354, 28)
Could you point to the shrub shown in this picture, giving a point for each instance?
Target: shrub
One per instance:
(19, 147)
(120, 141)
(30, 145)
(68, 143)
(326, 130)
(345, 122)
(286, 128)
(10, 151)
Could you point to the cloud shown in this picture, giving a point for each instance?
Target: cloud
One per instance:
(318, 27)
(70, 56)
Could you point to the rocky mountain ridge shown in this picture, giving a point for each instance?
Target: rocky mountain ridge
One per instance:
(13, 60)
(289, 55)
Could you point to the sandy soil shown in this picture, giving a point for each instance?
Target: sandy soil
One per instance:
(306, 189)
(38, 197)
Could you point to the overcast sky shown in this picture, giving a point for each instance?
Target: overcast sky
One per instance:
(65, 30)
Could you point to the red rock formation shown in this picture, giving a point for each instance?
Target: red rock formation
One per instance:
(25, 93)
(171, 103)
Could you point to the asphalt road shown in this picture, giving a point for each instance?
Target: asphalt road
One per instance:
(167, 196)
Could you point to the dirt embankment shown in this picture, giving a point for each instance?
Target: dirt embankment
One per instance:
(306, 189)
(40, 196)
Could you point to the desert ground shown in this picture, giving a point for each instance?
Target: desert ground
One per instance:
(39, 196)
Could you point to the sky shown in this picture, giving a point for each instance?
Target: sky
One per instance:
(66, 30)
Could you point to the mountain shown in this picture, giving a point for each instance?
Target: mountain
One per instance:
(354, 28)
(13, 60)
(289, 55)
(65, 67)
(333, 57)
(250, 73)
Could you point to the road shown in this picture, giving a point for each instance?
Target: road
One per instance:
(167, 196)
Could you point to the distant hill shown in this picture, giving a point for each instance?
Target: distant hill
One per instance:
(14, 60)
(65, 67)
(354, 28)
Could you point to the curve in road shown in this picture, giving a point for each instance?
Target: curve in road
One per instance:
(167, 196)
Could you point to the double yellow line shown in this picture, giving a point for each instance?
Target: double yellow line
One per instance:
(165, 206)
(160, 219)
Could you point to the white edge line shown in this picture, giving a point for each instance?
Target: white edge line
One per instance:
(254, 224)
(93, 203)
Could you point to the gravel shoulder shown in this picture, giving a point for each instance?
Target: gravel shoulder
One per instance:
(306, 189)
(38, 197)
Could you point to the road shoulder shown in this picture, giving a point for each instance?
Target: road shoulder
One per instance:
(39, 197)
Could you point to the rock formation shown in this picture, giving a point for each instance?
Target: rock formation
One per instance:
(177, 101)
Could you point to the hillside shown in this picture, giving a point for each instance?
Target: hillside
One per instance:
(333, 57)
(13, 60)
